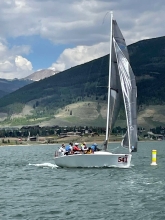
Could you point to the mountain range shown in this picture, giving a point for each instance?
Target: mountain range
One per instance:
(77, 96)
(9, 86)
(41, 74)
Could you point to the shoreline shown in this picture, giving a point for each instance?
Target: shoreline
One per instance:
(56, 140)
(54, 144)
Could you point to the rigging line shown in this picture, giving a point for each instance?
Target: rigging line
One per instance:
(105, 16)
(89, 72)
(99, 73)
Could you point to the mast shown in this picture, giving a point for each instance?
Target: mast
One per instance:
(109, 82)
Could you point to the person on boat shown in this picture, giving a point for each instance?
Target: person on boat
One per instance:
(68, 148)
(84, 147)
(94, 147)
(76, 148)
(61, 150)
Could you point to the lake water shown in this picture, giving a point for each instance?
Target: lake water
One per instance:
(32, 187)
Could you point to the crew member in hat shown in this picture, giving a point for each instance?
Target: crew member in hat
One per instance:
(84, 147)
(76, 148)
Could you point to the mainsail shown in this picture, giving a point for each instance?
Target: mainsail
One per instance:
(129, 92)
(115, 92)
(121, 81)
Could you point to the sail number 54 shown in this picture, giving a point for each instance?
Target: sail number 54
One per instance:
(122, 159)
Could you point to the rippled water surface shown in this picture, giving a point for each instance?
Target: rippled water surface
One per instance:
(32, 187)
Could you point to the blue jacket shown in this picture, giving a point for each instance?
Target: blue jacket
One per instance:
(68, 148)
(94, 147)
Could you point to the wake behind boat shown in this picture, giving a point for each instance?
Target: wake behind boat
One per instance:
(121, 87)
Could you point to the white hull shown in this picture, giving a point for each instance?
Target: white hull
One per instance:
(98, 159)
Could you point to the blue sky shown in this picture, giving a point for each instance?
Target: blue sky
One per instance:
(43, 51)
(59, 34)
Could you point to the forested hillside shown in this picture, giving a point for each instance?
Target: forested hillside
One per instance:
(66, 87)
(148, 62)
(88, 82)
(8, 86)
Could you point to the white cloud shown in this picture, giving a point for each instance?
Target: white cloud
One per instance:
(79, 55)
(23, 63)
(6, 66)
(80, 22)
(13, 65)
(76, 23)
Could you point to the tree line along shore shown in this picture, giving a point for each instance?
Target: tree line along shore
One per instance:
(59, 140)
(31, 135)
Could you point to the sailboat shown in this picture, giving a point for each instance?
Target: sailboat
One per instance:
(121, 85)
